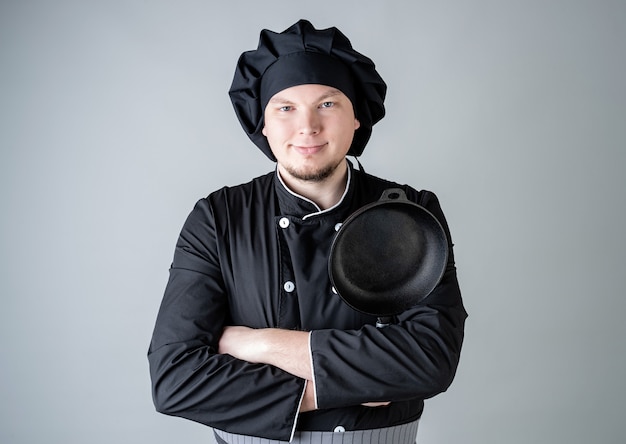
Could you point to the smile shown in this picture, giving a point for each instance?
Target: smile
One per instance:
(308, 149)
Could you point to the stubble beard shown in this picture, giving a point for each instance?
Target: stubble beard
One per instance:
(317, 176)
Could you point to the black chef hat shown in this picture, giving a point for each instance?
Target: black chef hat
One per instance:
(301, 55)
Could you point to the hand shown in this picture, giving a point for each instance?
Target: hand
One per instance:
(308, 400)
(376, 404)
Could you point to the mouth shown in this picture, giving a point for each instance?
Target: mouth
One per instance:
(308, 150)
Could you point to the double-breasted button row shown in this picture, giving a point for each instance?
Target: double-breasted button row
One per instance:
(283, 222)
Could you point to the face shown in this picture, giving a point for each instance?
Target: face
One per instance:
(310, 129)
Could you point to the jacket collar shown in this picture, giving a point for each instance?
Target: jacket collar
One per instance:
(294, 204)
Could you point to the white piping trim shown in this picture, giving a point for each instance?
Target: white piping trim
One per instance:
(319, 210)
(295, 422)
(313, 370)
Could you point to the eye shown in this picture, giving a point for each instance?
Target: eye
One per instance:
(285, 108)
(327, 104)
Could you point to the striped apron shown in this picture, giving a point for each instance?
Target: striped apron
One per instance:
(401, 434)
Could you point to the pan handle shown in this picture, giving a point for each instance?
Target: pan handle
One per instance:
(383, 321)
(393, 194)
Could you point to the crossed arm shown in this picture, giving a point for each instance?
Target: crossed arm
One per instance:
(285, 349)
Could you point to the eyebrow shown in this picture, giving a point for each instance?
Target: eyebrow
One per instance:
(328, 94)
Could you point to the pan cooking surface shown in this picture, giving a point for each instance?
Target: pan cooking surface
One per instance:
(388, 257)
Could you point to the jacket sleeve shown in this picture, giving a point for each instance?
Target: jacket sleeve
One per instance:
(189, 378)
(414, 357)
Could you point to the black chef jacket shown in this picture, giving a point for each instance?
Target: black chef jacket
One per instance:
(256, 255)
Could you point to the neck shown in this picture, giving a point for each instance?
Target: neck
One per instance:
(325, 193)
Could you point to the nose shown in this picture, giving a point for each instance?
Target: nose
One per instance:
(310, 122)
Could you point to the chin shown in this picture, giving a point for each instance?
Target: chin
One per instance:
(312, 174)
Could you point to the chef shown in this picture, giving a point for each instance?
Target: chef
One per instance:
(251, 339)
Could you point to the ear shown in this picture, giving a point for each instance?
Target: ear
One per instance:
(357, 124)
(264, 132)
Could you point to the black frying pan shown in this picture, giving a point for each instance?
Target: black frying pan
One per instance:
(388, 255)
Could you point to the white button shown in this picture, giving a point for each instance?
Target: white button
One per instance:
(338, 226)
(283, 222)
(289, 286)
(339, 429)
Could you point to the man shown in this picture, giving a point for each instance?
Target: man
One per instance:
(251, 339)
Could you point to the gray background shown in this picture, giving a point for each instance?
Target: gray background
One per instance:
(114, 120)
